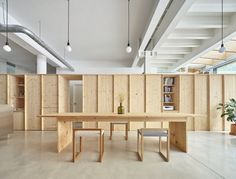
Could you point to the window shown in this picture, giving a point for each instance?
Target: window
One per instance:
(11, 68)
(227, 69)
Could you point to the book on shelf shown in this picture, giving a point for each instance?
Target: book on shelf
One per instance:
(168, 108)
(168, 81)
(167, 89)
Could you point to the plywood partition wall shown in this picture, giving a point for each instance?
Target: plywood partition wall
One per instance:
(32, 102)
(229, 92)
(153, 97)
(215, 97)
(63, 94)
(49, 100)
(121, 86)
(90, 99)
(201, 102)
(105, 97)
(137, 98)
(3, 89)
(199, 94)
(186, 104)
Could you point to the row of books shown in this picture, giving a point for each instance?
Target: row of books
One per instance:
(169, 81)
(167, 89)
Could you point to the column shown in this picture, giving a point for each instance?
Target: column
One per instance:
(41, 64)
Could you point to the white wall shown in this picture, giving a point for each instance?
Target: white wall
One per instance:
(3, 67)
(100, 67)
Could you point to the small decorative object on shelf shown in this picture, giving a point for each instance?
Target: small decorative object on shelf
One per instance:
(121, 109)
(167, 98)
(167, 89)
(21, 92)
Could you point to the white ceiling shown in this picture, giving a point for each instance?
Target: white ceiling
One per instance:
(98, 27)
(189, 29)
(173, 38)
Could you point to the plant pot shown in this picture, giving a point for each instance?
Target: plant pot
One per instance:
(233, 129)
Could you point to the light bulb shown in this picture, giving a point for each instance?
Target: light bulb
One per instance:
(6, 47)
(128, 49)
(222, 48)
(68, 47)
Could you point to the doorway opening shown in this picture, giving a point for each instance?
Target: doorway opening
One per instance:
(76, 95)
(76, 99)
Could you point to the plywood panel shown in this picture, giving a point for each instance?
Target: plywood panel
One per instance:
(49, 100)
(50, 91)
(18, 120)
(201, 102)
(215, 97)
(229, 92)
(186, 97)
(63, 93)
(153, 97)
(137, 98)
(105, 97)
(48, 122)
(121, 86)
(33, 101)
(90, 97)
(12, 91)
(3, 89)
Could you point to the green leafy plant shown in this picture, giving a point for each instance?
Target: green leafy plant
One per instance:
(229, 110)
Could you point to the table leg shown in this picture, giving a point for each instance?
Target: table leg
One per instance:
(178, 135)
(64, 133)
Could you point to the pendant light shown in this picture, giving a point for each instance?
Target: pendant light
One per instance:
(68, 47)
(6, 47)
(222, 47)
(128, 48)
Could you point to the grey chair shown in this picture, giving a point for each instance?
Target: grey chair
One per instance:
(153, 132)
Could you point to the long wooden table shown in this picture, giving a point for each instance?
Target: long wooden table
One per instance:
(177, 124)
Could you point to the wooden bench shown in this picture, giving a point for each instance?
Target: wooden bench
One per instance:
(112, 124)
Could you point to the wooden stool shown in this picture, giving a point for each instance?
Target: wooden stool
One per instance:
(154, 132)
(88, 133)
(119, 123)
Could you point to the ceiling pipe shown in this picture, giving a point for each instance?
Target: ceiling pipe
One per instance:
(33, 36)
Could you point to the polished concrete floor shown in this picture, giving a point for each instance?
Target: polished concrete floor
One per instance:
(32, 155)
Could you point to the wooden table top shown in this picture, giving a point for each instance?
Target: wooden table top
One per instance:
(172, 116)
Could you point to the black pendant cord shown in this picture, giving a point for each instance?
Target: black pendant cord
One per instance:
(222, 22)
(68, 25)
(7, 22)
(128, 22)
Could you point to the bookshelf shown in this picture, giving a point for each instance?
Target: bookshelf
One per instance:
(20, 94)
(170, 93)
(17, 100)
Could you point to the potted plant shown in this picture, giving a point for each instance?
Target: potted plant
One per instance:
(229, 111)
